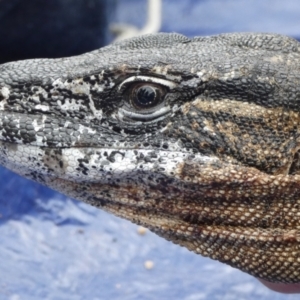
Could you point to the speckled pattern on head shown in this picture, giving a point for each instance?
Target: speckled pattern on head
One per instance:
(196, 139)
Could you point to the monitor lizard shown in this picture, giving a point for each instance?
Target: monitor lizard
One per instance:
(195, 139)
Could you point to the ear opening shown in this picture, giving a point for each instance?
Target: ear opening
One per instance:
(295, 165)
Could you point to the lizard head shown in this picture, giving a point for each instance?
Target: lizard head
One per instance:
(196, 139)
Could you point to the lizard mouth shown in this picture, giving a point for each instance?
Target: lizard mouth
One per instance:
(96, 164)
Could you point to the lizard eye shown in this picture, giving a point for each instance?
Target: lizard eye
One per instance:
(144, 92)
(145, 98)
(146, 95)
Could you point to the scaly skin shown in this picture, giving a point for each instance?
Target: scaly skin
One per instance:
(196, 139)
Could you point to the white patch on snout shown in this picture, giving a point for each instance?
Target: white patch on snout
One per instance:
(4, 93)
(76, 86)
(202, 74)
(58, 83)
(42, 107)
(229, 75)
(38, 90)
(84, 129)
(70, 105)
(79, 87)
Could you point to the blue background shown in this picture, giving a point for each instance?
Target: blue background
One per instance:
(53, 247)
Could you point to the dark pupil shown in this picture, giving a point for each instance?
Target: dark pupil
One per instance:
(146, 96)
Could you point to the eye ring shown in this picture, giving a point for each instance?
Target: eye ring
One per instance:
(163, 82)
(145, 86)
(146, 95)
